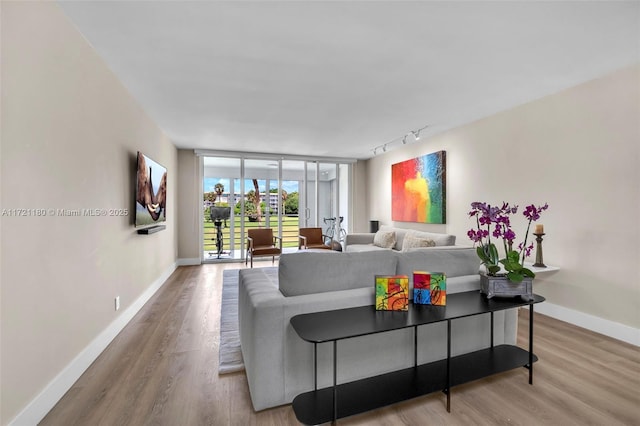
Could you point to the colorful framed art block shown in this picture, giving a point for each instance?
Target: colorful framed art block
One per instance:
(429, 288)
(418, 189)
(421, 288)
(392, 293)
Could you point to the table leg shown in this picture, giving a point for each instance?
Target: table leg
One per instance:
(335, 375)
(415, 346)
(531, 344)
(492, 329)
(448, 366)
(315, 366)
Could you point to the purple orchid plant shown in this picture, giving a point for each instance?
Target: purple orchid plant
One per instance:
(499, 218)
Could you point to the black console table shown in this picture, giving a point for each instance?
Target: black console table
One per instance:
(338, 401)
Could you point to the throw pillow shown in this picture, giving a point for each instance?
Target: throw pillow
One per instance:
(411, 241)
(384, 239)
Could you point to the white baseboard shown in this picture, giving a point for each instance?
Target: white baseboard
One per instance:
(190, 261)
(35, 411)
(590, 322)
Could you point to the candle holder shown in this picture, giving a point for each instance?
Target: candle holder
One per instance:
(539, 263)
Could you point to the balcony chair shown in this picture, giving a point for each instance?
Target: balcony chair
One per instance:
(312, 238)
(262, 242)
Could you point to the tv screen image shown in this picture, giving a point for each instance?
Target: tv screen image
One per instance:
(151, 192)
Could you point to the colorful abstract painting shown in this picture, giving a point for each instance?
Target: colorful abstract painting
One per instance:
(438, 288)
(418, 189)
(421, 288)
(392, 293)
(429, 288)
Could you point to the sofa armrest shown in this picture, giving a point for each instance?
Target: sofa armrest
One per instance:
(358, 238)
(260, 320)
(267, 338)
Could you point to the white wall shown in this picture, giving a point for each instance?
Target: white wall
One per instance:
(190, 202)
(70, 132)
(579, 151)
(361, 212)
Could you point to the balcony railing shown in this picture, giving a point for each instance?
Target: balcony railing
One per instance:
(290, 227)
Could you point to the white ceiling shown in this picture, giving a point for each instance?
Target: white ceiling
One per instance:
(339, 78)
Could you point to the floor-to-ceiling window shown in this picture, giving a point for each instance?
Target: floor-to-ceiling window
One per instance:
(242, 191)
(222, 194)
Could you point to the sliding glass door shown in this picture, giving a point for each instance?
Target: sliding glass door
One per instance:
(222, 218)
(240, 193)
(261, 186)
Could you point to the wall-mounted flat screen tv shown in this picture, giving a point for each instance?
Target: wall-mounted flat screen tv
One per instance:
(151, 192)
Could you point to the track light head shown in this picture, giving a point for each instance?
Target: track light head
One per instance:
(384, 148)
(404, 140)
(416, 134)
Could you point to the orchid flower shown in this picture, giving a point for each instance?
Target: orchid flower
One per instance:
(493, 221)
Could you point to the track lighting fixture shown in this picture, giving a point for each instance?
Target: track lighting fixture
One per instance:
(403, 139)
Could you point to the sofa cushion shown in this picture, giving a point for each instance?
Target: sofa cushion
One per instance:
(312, 272)
(384, 239)
(353, 248)
(400, 233)
(411, 241)
(439, 239)
(453, 262)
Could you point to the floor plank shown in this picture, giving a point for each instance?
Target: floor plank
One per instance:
(162, 369)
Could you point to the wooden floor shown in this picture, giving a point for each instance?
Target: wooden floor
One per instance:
(162, 369)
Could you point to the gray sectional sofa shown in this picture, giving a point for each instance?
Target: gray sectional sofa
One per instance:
(365, 241)
(279, 364)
